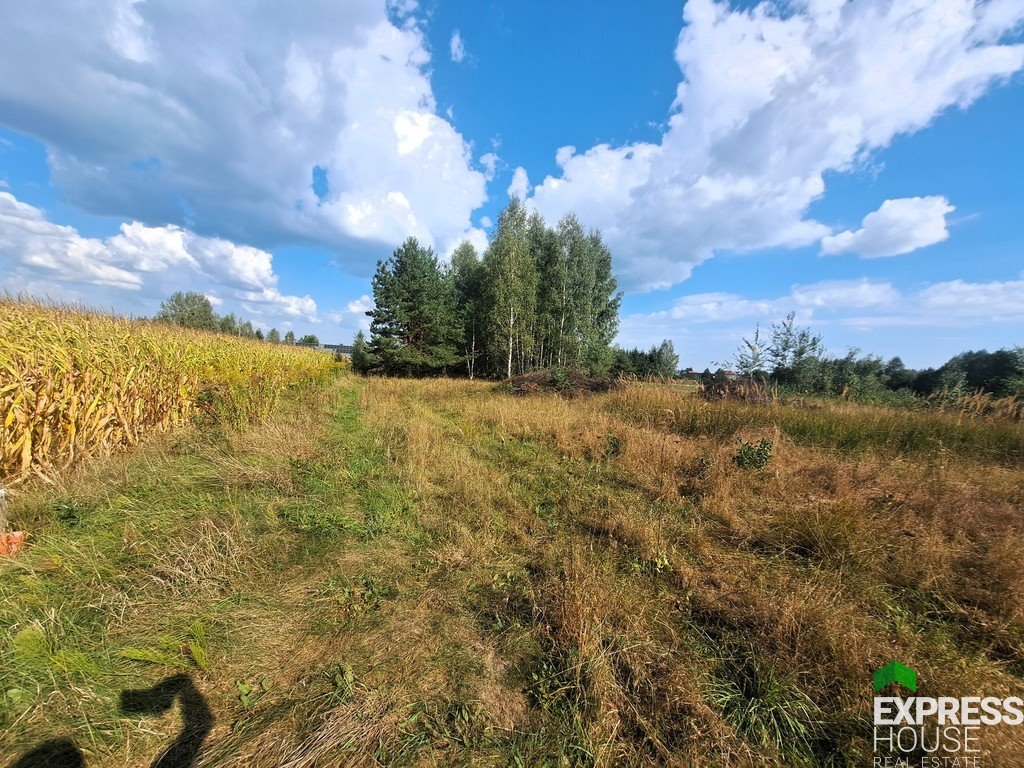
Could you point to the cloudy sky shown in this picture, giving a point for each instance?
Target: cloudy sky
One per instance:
(860, 163)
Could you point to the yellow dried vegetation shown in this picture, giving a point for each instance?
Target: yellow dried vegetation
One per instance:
(75, 383)
(979, 405)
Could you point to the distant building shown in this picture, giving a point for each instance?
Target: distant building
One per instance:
(337, 349)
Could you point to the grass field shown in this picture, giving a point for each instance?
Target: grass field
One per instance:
(394, 572)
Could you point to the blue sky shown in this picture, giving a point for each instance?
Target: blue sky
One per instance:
(858, 163)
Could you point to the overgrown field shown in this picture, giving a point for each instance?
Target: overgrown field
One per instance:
(75, 383)
(394, 572)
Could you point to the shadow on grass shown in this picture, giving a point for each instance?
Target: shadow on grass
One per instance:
(58, 753)
(196, 726)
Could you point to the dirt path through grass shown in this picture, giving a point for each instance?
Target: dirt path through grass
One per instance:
(209, 554)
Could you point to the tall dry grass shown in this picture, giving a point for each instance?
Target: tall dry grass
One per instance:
(978, 405)
(687, 611)
(75, 383)
(835, 425)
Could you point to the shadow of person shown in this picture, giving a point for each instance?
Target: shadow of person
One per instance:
(195, 713)
(58, 753)
(197, 722)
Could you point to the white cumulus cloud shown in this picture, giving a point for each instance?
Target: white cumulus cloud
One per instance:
(842, 294)
(352, 318)
(829, 295)
(772, 98)
(995, 300)
(149, 262)
(490, 163)
(931, 318)
(897, 227)
(863, 303)
(213, 117)
(360, 305)
(520, 185)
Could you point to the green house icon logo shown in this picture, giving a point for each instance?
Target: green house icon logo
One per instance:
(894, 672)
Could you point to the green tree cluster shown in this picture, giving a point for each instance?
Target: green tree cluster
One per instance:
(795, 358)
(538, 297)
(661, 360)
(414, 327)
(189, 309)
(1000, 372)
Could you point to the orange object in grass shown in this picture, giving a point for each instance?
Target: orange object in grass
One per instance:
(11, 543)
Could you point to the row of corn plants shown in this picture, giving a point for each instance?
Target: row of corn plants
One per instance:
(75, 383)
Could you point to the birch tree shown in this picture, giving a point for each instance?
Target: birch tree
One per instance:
(511, 290)
(469, 279)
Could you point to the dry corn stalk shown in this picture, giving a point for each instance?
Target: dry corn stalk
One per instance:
(75, 383)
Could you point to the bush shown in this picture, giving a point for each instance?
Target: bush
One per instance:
(752, 456)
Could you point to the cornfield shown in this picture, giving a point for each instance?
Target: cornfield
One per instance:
(75, 383)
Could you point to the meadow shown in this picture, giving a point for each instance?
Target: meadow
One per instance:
(438, 572)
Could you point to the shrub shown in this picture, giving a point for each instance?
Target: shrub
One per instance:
(752, 456)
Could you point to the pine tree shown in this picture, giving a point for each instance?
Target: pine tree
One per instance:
(362, 360)
(538, 297)
(415, 328)
(289, 337)
(273, 336)
(661, 360)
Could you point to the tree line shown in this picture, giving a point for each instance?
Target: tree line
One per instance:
(795, 358)
(538, 297)
(189, 309)
(658, 361)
